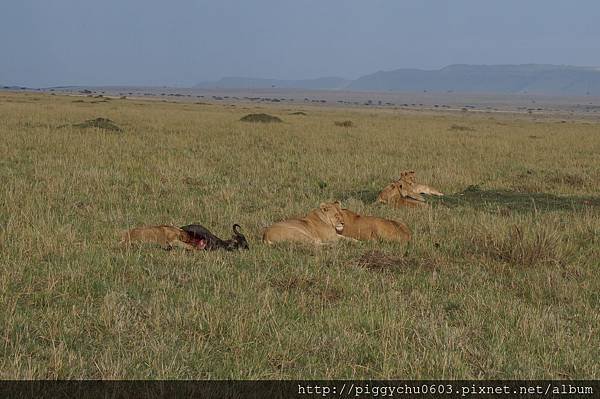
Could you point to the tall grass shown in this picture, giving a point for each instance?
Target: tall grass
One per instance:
(486, 289)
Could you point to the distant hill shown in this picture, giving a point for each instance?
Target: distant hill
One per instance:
(528, 78)
(326, 83)
(531, 78)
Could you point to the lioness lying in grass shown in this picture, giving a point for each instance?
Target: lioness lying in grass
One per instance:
(165, 236)
(373, 228)
(320, 226)
(409, 176)
(406, 191)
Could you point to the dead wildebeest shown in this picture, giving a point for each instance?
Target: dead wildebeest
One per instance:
(200, 233)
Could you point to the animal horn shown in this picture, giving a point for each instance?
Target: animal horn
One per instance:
(235, 229)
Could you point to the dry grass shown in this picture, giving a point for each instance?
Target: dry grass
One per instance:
(377, 260)
(324, 291)
(538, 247)
(473, 298)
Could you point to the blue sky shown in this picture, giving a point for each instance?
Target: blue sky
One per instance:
(182, 42)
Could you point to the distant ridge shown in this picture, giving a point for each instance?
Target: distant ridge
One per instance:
(325, 83)
(530, 78)
(516, 79)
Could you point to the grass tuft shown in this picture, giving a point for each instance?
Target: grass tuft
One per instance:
(461, 128)
(537, 247)
(344, 123)
(380, 261)
(99, 123)
(264, 118)
(312, 286)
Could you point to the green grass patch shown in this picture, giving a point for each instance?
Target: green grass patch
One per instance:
(498, 282)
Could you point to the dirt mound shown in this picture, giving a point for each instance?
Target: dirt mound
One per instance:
(344, 123)
(99, 123)
(298, 113)
(264, 118)
(460, 128)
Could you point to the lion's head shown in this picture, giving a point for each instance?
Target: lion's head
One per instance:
(402, 186)
(332, 214)
(408, 176)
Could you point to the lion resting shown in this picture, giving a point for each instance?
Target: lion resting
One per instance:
(400, 193)
(409, 177)
(373, 228)
(406, 191)
(165, 236)
(320, 226)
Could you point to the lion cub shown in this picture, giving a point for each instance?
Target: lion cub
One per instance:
(165, 236)
(320, 226)
(373, 228)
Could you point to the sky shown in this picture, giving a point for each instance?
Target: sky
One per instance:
(47, 43)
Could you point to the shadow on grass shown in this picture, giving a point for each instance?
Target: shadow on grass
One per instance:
(505, 200)
(366, 196)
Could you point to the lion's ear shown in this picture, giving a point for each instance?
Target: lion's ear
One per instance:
(338, 203)
(323, 206)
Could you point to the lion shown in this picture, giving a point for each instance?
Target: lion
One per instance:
(165, 236)
(373, 228)
(409, 176)
(399, 193)
(320, 226)
(406, 191)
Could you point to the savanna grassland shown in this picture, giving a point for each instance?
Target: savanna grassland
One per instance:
(502, 279)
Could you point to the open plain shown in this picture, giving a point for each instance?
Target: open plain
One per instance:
(501, 279)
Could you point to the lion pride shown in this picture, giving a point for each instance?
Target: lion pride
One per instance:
(320, 226)
(373, 228)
